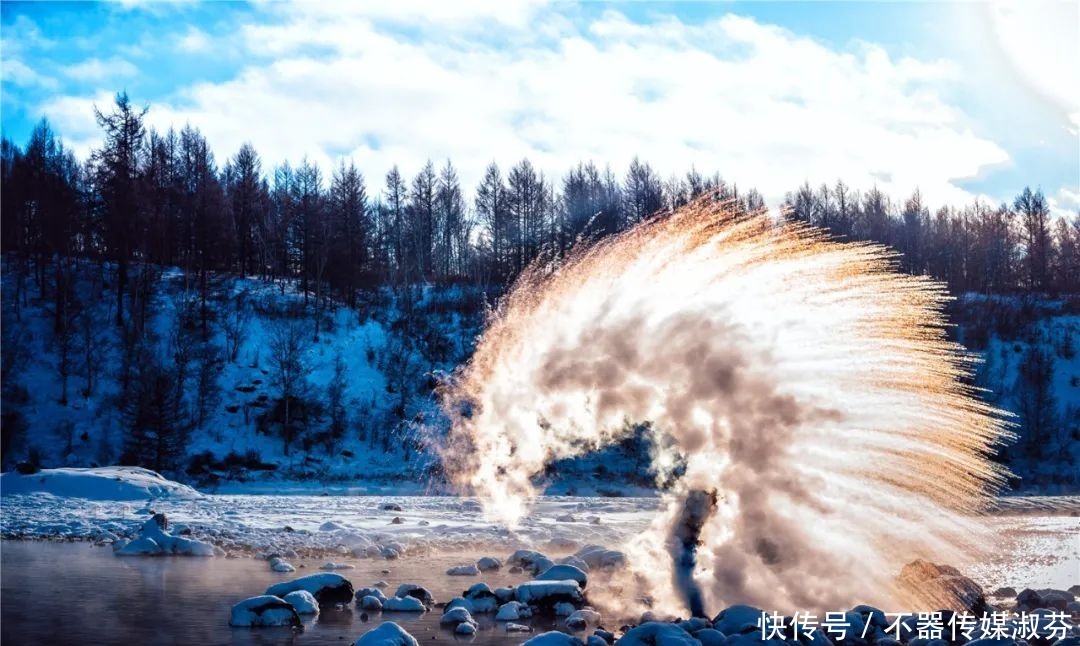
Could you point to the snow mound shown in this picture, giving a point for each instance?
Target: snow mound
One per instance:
(326, 587)
(155, 540)
(263, 611)
(98, 483)
(303, 602)
(387, 633)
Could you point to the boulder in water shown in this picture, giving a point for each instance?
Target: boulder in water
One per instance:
(326, 587)
(263, 611)
(387, 633)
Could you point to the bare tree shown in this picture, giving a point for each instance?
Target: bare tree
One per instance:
(288, 343)
(234, 324)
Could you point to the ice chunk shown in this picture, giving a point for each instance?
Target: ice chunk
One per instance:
(303, 602)
(326, 587)
(404, 604)
(387, 633)
(265, 610)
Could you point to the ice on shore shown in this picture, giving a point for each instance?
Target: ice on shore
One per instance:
(263, 611)
(97, 483)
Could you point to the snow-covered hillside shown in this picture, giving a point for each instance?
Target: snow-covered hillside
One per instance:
(363, 407)
(386, 370)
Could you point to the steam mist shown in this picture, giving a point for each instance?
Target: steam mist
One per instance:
(804, 383)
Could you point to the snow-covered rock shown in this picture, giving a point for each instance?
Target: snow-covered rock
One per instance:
(303, 602)
(554, 638)
(710, 637)
(598, 556)
(464, 570)
(595, 640)
(563, 609)
(278, 564)
(387, 633)
(265, 610)
(513, 611)
(326, 587)
(548, 593)
(504, 593)
(155, 540)
(97, 483)
(404, 604)
(738, 619)
(517, 628)
(576, 561)
(654, 632)
(331, 565)
(465, 629)
(481, 597)
(370, 602)
(416, 591)
(582, 619)
(455, 616)
(563, 572)
(488, 564)
(370, 592)
(458, 602)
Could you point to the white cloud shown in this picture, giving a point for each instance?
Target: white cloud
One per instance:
(16, 72)
(1065, 203)
(760, 104)
(194, 41)
(96, 69)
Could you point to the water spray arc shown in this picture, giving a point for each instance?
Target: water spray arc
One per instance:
(803, 382)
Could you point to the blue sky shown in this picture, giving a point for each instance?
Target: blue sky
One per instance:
(961, 100)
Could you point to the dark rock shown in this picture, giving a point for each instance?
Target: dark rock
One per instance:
(943, 586)
(27, 468)
(388, 506)
(1005, 592)
(397, 520)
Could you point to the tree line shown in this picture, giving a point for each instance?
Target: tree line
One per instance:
(162, 198)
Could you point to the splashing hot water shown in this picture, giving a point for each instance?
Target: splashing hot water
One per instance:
(805, 382)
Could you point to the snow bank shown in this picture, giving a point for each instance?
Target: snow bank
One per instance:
(263, 611)
(326, 587)
(386, 634)
(98, 483)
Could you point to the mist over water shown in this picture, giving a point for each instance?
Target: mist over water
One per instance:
(805, 382)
